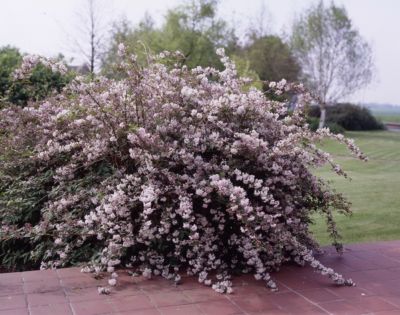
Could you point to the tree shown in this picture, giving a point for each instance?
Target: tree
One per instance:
(349, 116)
(244, 70)
(261, 24)
(192, 28)
(136, 39)
(272, 59)
(92, 29)
(335, 60)
(10, 58)
(39, 85)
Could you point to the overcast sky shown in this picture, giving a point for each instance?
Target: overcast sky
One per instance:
(47, 26)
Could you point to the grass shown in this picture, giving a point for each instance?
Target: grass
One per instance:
(388, 117)
(374, 189)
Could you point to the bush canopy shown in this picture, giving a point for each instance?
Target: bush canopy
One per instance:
(166, 170)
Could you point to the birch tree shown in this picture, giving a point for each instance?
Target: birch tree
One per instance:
(336, 60)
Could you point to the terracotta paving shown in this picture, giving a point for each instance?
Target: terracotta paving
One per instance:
(375, 267)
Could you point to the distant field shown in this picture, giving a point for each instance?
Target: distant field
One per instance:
(388, 117)
(374, 189)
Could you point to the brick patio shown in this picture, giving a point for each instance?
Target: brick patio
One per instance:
(375, 267)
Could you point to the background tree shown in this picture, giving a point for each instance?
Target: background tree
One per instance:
(195, 30)
(244, 70)
(335, 60)
(192, 28)
(10, 58)
(272, 59)
(260, 25)
(137, 40)
(348, 116)
(93, 31)
(39, 85)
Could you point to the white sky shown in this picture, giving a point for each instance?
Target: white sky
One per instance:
(46, 27)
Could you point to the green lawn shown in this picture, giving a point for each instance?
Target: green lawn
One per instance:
(374, 189)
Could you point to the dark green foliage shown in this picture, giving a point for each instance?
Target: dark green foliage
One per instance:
(24, 190)
(25, 195)
(348, 116)
(41, 83)
(10, 58)
(313, 122)
(272, 59)
(333, 127)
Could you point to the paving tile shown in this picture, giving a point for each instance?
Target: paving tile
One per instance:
(384, 288)
(358, 263)
(203, 294)
(390, 312)
(255, 303)
(251, 289)
(342, 269)
(125, 280)
(393, 252)
(142, 281)
(248, 285)
(130, 303)
(126, 286)
(371, 304)
(72, 272)
(358, 247)
(157, 285)
(189, 283)
(148, 311)
(375, 268)
(319, 295)
(12, 302)
(395, 272)
(294, 303)
(349, 292)
(393, 299)
(181, 310)
(308, 310)
(275, 312)
(341, 308)
(381, 261)
(55, 309)
(170, 299)
(46, 298)
(126, 291)
(300, 282)
(11, 278)
(42, 286)
(11, 289)
(96, 307)
(379, 275)
(84, 281)
(19, 311)
(221, 307)
(83, 294)
(39, 275)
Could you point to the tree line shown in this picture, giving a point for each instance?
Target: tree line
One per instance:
(323, 49)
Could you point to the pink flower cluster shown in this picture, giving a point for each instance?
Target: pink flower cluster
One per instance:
(189, 170)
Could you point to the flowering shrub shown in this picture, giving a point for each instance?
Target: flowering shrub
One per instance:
(167, 170)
